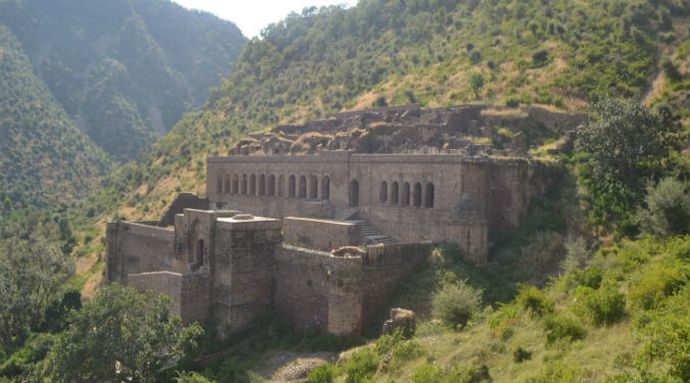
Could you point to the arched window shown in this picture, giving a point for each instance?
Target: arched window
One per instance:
(198, 255)
(219, 185)
(417, 195)
(303, 187)
(252, 184)
(383, 192)
(325, 188)
(226, 184)
(394, 193)
(354, 193)
(244, 184)
(313, 187)
(291, 187)
(405, 200)
(281, 182)
(235, 184)
(271, 185)
(262, 184)
(429, 195)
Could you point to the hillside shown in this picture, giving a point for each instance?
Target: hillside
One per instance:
(124, 71)
(563, 55)
(44, 157)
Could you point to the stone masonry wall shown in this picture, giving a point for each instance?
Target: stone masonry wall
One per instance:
(320, 234)
(315, 289)
(241, 269)
(161, 282)
(385, 267)
(135, 248)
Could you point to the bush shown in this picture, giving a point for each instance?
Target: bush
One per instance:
(535, 301)
(542, 254)
(191, 377)
(322, 374)
(427, 373)
(540, 58)
(563, 326)
(576, 255)
(361, 366)
(603, 306)
(520, 355)
(590, 277)
(648, 290)
(456, 304)
(668, 209)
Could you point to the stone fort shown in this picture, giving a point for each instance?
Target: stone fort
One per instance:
(321, 221)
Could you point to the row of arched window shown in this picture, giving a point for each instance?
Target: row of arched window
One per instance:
(262, 185)
(406, 194)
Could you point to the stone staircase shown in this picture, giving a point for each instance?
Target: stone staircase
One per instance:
(372, 235)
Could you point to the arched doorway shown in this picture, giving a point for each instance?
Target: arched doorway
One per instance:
(354, 193)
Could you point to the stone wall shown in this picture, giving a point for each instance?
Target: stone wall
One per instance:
(315, 289)
(241, 269)
(410, 197)
(161, 282)
(135, 248)
(341, 295)
(320, 234)
(384, 268)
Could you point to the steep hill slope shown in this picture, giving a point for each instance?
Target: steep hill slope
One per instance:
(44, 157)
(125, 71)
(561, 53)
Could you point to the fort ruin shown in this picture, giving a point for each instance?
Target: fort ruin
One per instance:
(321, 221)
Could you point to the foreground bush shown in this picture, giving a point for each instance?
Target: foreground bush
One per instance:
(603, 306)
(456, 304)
(563, 326)
(534, 300)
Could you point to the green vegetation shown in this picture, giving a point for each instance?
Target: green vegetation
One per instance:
(44, 158)
(120, 70)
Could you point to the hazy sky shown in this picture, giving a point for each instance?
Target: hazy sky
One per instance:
(251, 16)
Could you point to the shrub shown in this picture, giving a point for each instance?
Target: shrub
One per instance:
(555, 372)
(503, 320)
(540, 58)
(520, 355)
(361, 366)
(563, 326)
(427, 373)
(191, 377)
(590, 277)
(322, 374)
(407, 350)
(456, 304)
(534, 300)
(604, 306)
(649, 289)
(668, 209)
(576, 255)
(542, 254)
(671, 70)
(512, 102)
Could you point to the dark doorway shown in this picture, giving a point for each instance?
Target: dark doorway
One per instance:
(354, 193)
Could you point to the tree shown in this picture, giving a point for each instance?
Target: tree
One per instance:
(456, 303)
(667, 209)
(32, 269)
(476, 83)
(119, 327)
(625, 145)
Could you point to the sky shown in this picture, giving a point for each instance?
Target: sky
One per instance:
(251, 16)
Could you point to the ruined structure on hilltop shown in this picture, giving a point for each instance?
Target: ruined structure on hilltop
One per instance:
(355, 202)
